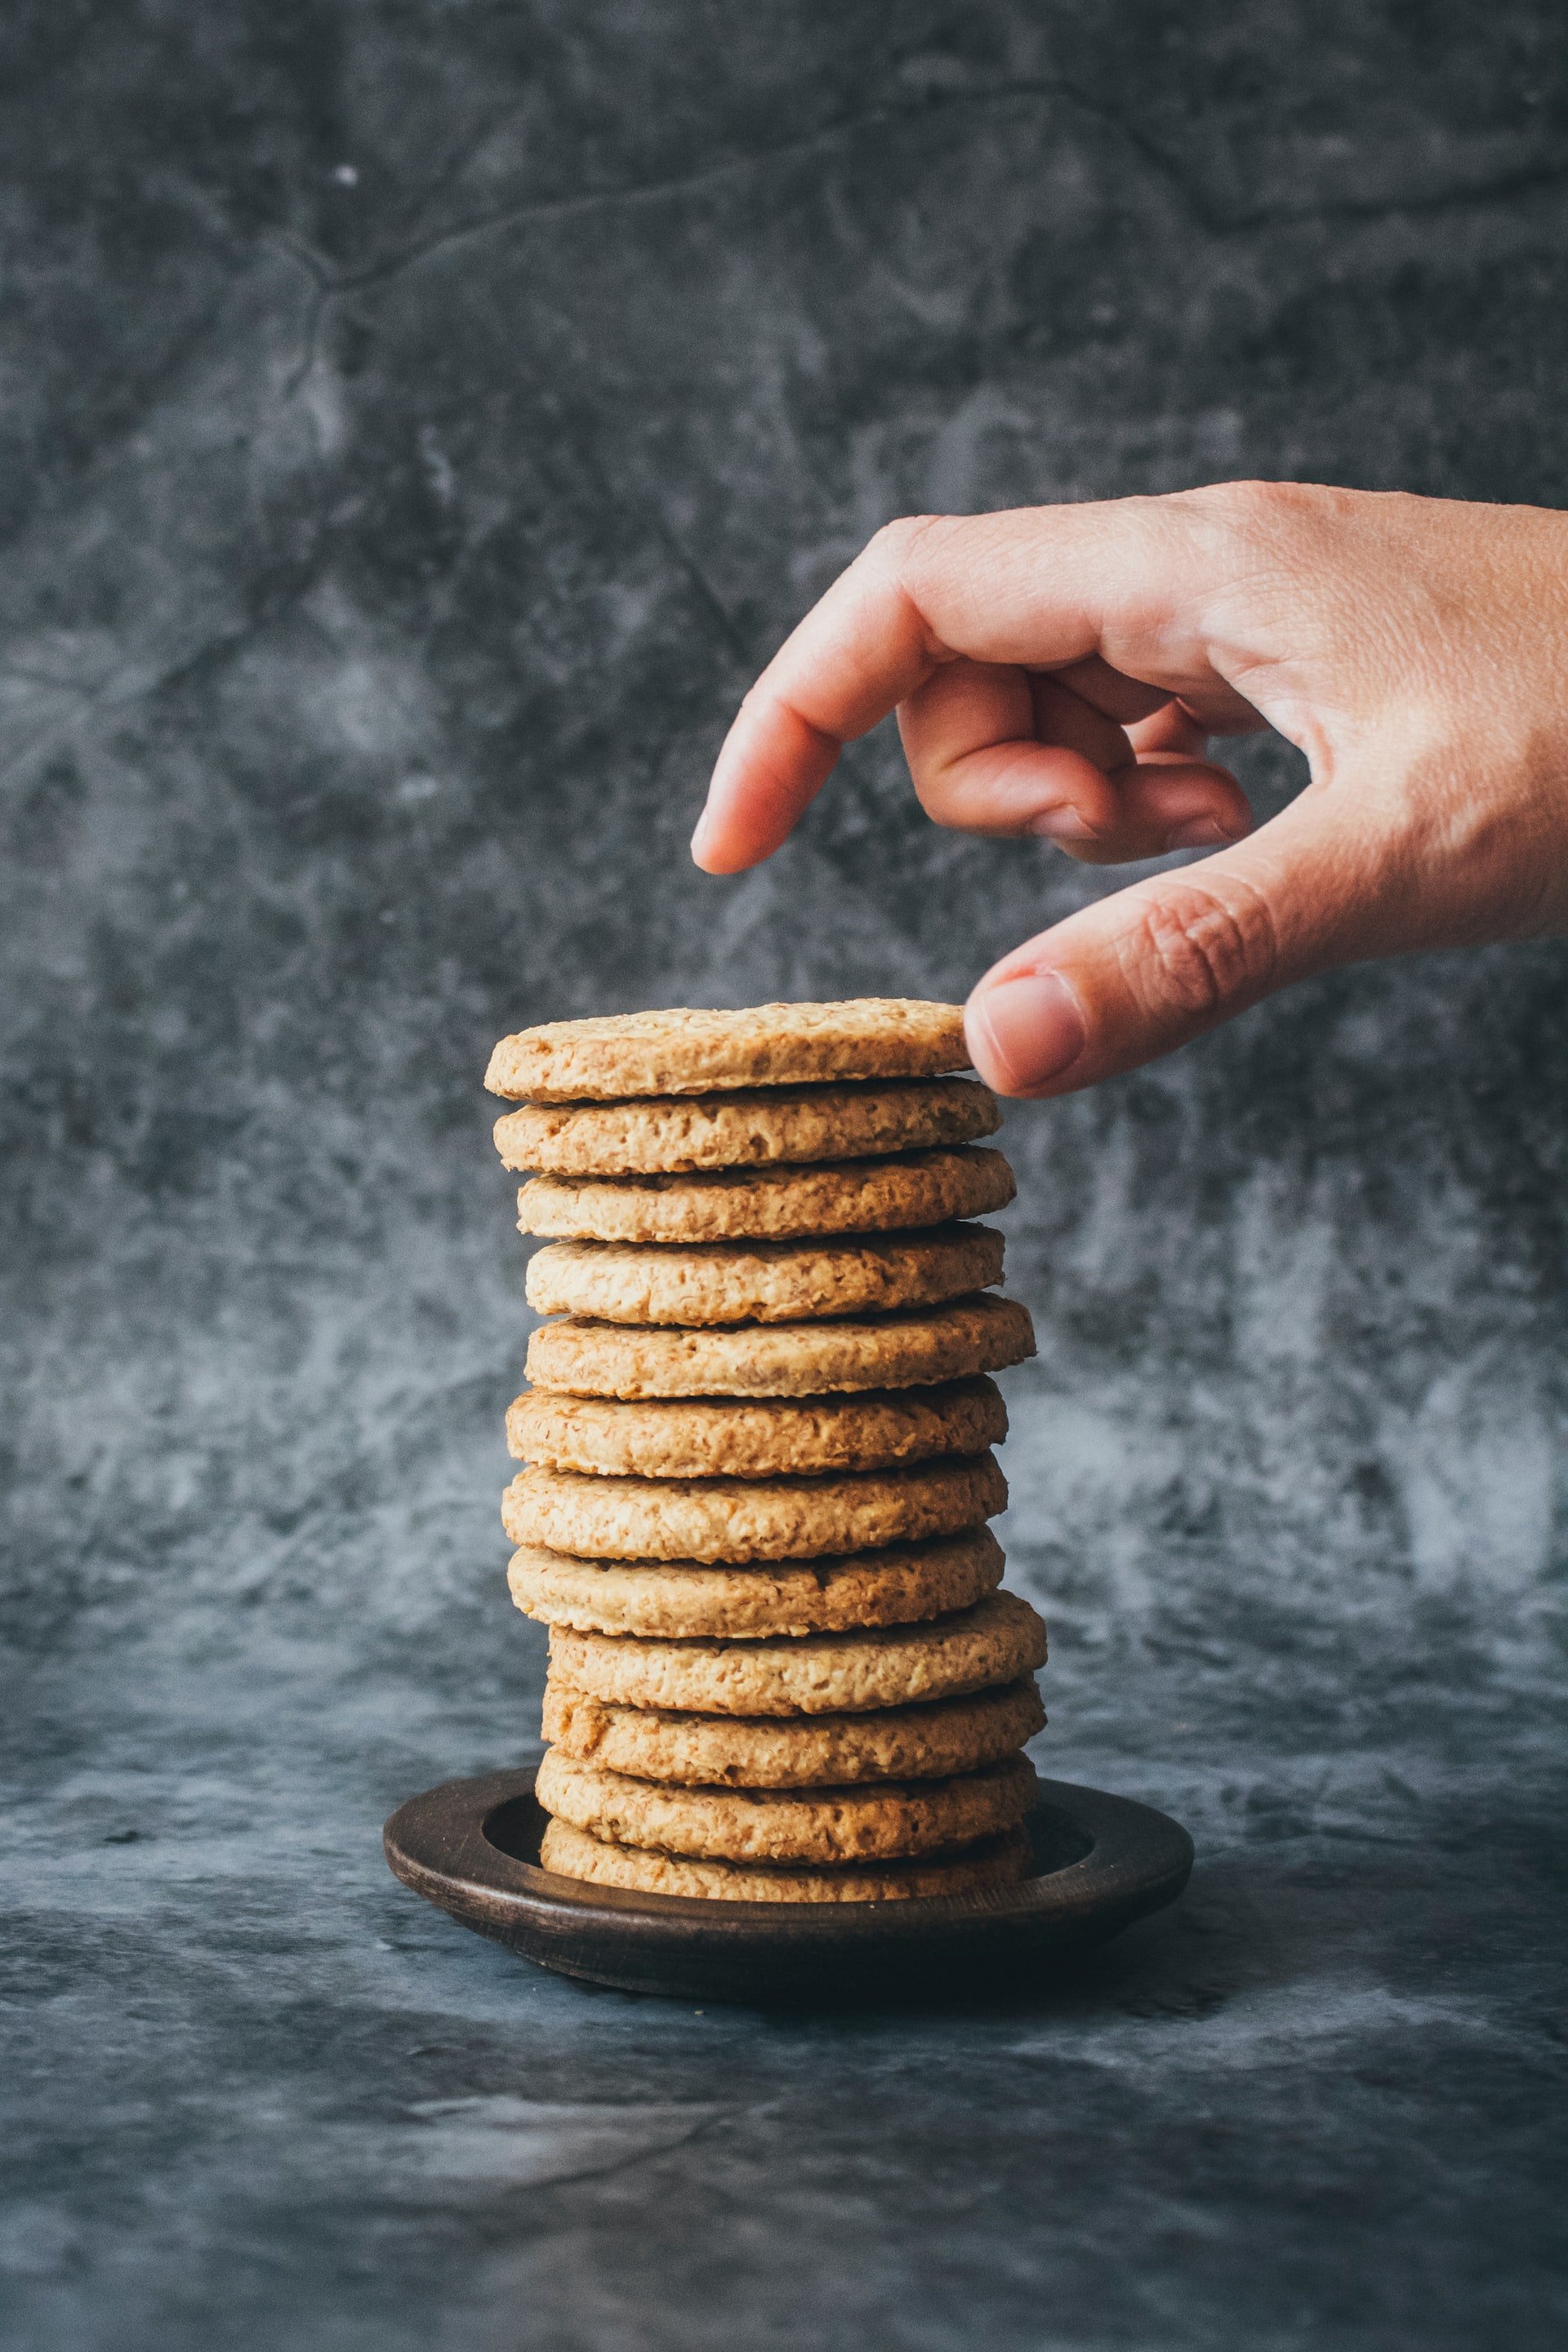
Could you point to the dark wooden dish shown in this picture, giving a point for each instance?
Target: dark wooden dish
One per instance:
(472, 1847)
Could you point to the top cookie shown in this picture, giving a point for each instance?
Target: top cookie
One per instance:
(681, 1051)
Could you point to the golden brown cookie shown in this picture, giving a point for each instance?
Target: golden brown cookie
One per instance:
(882, 1820)
(749, 1519)
(763, 1282)
(913, 1349)
(710, 1437)
(685, 1052)
(573, 1853)
(670, 1134)
(997, 1641)
(896, 1743)
(679, 1599)
(851, 1196)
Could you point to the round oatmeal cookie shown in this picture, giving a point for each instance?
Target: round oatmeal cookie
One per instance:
(749, 1519)
(685, 1052)
(672, 1135)
(573, 1853)
(880, 1821)
(679, 1599)
(763, 1282)
(997, 1641)
(912, 1348)
(848, 1196)
(711, 1437)
(896, 1743)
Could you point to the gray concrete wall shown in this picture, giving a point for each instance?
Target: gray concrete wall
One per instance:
(417, 427)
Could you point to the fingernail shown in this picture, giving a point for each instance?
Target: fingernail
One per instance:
(1059, 825)
(1198, 833)
(1024, 1032)
(700, 838)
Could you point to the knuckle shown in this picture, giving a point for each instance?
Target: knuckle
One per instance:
(1254, 513)
(893, 545)
(1205, 950)
(1253, 500)
(894, 552)
(946, 788)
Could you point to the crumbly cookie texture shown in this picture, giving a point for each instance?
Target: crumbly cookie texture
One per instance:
(746, 1519)
(904, 1584)
(710, 1437)
(851, 1196)
(912, 1349)
(761, 1282)
(685, 1052)
(995, 1642)
(573, 1853)
(899, 1743)
(671, 1135)
(879, 1821)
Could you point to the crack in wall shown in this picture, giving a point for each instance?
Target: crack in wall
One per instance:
(1214, 221)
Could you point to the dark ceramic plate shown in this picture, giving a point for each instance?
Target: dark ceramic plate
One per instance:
(472, 1846)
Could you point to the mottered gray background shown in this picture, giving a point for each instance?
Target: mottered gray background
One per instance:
(417, 424)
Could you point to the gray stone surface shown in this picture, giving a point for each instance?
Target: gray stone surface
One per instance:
(418, 422)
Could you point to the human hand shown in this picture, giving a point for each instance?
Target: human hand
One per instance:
(1058, 671)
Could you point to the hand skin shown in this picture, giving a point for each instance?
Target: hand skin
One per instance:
(1059, 671)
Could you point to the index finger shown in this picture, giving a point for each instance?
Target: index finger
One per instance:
(1039, 587)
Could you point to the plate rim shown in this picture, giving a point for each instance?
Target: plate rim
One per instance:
(1139, 1860)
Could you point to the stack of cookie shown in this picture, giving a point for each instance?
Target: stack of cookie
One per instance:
(757, 1439)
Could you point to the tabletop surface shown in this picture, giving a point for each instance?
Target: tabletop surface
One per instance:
(420, 424)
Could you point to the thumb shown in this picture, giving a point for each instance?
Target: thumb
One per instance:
(1139, 973)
